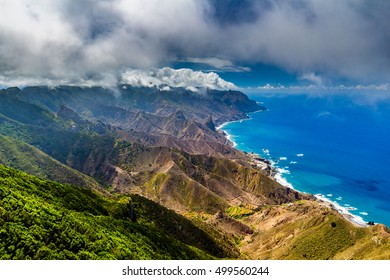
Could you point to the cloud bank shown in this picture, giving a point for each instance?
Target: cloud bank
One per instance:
(88, 41)
(320, 88)
(166, 78)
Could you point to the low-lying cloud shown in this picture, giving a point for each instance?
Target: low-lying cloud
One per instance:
(166, 78)
(91, 41)
(321, 87)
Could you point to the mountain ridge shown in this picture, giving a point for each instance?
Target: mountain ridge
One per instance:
(161, 146)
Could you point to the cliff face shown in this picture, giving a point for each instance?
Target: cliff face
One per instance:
(164, 147)
(210, 123)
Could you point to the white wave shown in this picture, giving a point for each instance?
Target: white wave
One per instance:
(282, 158)
(339, 198)
(343, 210)
(300, 155)
(230, 138)
(363, 213)
(279, 178)
(293, 162)
(266, 152)
(329, 195)
(283, 171)
(226, 123)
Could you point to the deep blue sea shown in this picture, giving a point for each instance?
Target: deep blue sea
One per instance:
(337, 145)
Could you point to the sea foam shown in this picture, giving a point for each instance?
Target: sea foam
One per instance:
(343, 210)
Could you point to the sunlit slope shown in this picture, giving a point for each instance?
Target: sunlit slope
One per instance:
(309, 230)
(46, 220)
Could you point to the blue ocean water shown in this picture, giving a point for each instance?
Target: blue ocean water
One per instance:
(337, 145)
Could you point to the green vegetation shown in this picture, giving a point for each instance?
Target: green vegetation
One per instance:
(324, 240)
(238, 212)
(22, 156)
(46, 220)
(306, 230)
(86, 141)
(13, 129)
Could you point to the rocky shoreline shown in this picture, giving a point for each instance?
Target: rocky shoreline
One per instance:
(266, 166)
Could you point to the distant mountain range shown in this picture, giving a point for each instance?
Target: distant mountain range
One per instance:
(146, 170)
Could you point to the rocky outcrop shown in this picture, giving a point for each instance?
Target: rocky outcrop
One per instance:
(68, 114)
(210, 124)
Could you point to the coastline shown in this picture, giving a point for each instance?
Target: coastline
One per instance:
(343, 211)
(277, 174)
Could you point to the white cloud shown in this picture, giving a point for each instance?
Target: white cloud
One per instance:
(270, 87)
(322, 88)
(313, 78)
(165, 79)
(89, 39)
(168, 77)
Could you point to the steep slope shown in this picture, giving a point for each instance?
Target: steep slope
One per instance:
(46, 220)
(177, 131)
(150, 117)
(309, 230)
(115, 106)
(17, 154)
(188, 182)
(162, 146)
(23, 111)
(185, 182)
(190, 146)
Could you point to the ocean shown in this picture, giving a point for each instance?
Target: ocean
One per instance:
(332, 145)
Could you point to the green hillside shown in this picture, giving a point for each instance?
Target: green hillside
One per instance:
(46, 220)
(308, 230)
(22, 156)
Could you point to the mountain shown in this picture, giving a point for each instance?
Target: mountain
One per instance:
(148, 116)
(131, 167)
(118, 106)
(149, 167)
(308, 230)
(210, 123)
(45, 220)
(15, 153)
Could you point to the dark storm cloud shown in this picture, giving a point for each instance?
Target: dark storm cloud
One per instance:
(69, 41)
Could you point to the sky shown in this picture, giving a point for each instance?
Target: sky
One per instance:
(235, 43)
